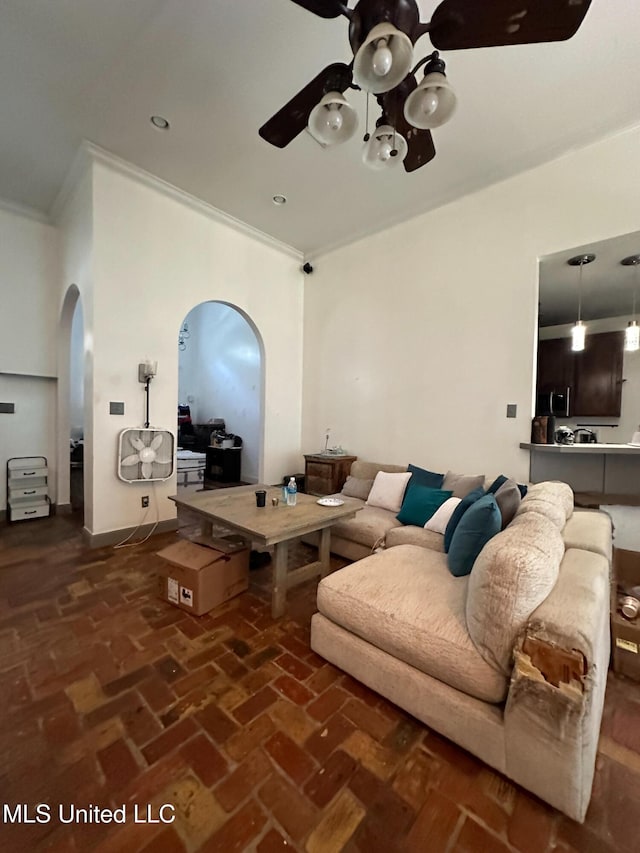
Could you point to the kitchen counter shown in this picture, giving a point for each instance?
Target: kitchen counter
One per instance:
(607, 472)
(581, 448)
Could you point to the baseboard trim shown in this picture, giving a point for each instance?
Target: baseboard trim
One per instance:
(63, 509)
(113, 537)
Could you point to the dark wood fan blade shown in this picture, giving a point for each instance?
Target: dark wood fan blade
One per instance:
(459, 24)
(420, 142)
(323, 8)
(292, 119)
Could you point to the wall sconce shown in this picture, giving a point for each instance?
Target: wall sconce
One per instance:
(578, 332)
(632, 332)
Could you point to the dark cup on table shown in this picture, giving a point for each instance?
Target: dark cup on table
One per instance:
(261, 497)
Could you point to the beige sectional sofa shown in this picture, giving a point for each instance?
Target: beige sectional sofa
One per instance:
(510, 662)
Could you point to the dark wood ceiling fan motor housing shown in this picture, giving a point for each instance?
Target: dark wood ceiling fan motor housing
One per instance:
(455, 25)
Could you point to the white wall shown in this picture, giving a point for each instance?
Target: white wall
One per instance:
(220, 369)
(154, 258)
(75, 224)
(619, 430)
(417, 338)
(28, 292)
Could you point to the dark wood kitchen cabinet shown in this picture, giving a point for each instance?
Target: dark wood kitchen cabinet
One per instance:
(555, 364)
(598, 376)
(593, 375)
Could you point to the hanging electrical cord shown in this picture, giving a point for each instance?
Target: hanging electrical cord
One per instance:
(125, 542)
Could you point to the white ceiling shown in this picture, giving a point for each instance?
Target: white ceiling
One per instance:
(218, 69)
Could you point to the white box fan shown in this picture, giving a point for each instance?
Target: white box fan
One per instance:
(145, 455)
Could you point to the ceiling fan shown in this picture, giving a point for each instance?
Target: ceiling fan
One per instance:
(382, 34)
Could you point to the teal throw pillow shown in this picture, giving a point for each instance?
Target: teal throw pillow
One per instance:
(423, 477)
(499, 481)
(458, 512)
(479, 524)
(420, 503)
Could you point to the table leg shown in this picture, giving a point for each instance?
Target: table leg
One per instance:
(206, 528)
(324, 551)
(279, 593)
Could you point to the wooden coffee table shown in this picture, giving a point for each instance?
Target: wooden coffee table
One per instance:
(236, 509)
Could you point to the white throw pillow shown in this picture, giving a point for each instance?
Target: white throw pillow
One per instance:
(388, 490)
(440, 518)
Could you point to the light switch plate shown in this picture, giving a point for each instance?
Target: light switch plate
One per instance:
(116, 408)
(512, 410)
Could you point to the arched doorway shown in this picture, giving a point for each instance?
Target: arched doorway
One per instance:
(221, 386)
(71, 425)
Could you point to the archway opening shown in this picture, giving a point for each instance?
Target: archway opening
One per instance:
(220, 398)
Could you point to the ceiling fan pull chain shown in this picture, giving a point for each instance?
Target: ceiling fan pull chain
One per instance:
(367, 135)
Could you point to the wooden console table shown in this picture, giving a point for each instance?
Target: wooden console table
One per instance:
(326, 473)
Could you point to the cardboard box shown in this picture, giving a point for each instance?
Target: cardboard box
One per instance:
(197, 578)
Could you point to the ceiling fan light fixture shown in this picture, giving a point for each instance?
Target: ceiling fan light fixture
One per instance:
(383, 60)
(333, 120)
(385, 149)
(432, 103)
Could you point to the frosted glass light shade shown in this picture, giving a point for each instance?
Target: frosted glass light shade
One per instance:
(578, 334)
(432, 103)
(632, 337)
(377, 152)
(333, 119)
(373, 52)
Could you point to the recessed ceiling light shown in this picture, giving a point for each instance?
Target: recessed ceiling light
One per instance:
(279, 199)
(160, 122)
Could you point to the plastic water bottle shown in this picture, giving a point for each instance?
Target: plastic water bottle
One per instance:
(292, 492)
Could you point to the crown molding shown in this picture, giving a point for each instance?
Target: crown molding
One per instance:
(24, 211)
(90, 152)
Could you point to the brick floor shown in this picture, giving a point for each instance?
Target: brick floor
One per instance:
(112, 698)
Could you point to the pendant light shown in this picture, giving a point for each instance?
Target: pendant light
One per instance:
(578, 332)
(632, 332)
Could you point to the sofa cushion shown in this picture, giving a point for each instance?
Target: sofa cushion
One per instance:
(441, 517)
(508, 498)
(589, 530)
(420, 503)
(369, 526)
(423, 477)
(409, 534)
(357, 487)
(513, 574)
(462, 484)
(405, 602)
(457, 514)
(480, 523)
(388, 490)
(550, 498)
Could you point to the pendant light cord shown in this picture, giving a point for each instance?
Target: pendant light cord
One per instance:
(580, 292)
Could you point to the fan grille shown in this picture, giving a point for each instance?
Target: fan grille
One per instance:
(136, 464)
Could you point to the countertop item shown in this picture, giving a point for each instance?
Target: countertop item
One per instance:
(594, 448)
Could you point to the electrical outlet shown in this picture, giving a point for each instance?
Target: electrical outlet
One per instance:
(145, 501)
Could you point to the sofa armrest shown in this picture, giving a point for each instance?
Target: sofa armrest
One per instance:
(571, 616)
(556, 696)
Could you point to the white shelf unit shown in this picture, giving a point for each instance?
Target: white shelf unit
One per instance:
(27, 488)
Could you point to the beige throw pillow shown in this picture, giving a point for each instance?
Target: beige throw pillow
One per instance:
(461, 484)
(388, 490)
(508, 499)
(356, 487)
